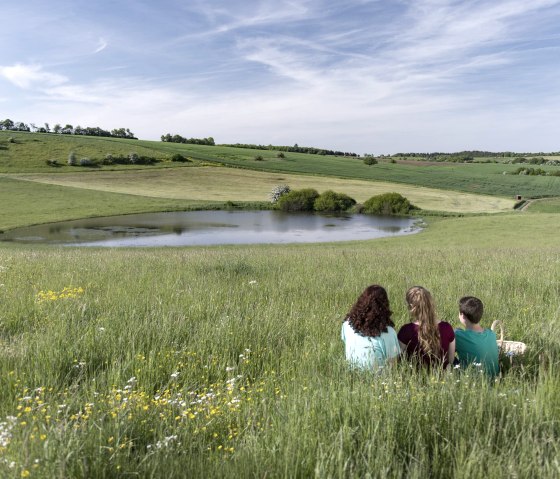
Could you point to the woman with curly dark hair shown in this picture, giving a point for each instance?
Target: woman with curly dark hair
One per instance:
(368, 334)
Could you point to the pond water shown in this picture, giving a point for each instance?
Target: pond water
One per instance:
(212, 228)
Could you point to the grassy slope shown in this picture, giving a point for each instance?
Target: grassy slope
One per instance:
(223, 184)
(31, 150)
(26, 203)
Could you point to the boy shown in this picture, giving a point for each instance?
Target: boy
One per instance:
(474, 344)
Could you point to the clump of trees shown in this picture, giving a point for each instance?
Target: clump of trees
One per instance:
(388, 204)
(370, 160)
(195, 141)
(309, 199)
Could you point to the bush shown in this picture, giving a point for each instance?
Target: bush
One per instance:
(331, 201)
(86, 162)
(278, 191)
(298, 200)
(388, 204)
(11, 139)
(52, 163)
(259, 158)
(72, 159)
(280, 155)
(370, 160)
(108, 160)
(133, 158)
(180, 158)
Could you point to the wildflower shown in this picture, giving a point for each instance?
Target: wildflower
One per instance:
(252, 282)
(230, 369)
(101, 329)
(175, 375)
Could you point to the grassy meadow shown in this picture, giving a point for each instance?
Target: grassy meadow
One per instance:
(227, 361)
(30, 152)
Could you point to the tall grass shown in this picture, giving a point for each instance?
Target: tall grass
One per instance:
(227, 361)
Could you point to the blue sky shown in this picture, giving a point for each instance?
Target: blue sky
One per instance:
(363, 76)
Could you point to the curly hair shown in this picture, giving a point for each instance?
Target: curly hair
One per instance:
(422, 309)
(370, 315)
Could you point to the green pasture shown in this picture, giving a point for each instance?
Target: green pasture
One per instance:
(236, 184)
(227, 361)
(31, 150)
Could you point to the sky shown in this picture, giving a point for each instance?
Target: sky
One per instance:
(362, 76)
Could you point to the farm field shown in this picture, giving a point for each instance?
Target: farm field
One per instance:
(235, 184)
(227, 361)
(31, 151)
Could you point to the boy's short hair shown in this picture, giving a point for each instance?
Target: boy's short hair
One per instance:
(472, 308)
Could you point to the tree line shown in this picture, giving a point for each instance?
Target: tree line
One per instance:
(294, 149)
(195, 141)
(67, 129)
(471, 154)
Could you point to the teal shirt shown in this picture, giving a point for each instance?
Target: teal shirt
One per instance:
(367, 352)
(478, 347)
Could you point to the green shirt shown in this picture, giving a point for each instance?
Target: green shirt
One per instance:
(478, 348)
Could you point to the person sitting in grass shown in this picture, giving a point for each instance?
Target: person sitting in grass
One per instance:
(426, 340)
(476, 345)
(367, 331)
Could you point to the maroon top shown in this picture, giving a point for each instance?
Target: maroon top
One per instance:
(408, 335)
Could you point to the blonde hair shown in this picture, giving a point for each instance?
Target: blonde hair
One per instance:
(422, 308)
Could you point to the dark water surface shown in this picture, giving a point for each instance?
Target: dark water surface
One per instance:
(212, 228)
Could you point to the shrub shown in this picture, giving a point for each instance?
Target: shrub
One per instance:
(370, 160)
(72, 159)
(133, 158)
(52, 162)
(180, 158)
(86, 162)
(298, 200)
(388, 204)
(280, 155)
(259, 158)
(108, 160)
(11, 139)
(331, 201)
(278, 191)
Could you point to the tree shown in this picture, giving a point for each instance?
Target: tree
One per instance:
(388, 204)
(332, 201)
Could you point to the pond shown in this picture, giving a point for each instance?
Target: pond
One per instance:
(212, 228)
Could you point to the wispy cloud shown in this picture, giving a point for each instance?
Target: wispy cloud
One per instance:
(102, 44)
(28, 76)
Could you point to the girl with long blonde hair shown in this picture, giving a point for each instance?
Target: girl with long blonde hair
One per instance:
(426, 338)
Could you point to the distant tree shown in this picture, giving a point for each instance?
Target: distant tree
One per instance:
(67, 130)
(57, 128)
(370, 160)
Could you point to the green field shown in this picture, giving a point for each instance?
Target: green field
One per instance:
(227, 361)
(30, 151)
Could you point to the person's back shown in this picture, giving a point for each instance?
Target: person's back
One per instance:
(474, 344)
(370, 342)
(368, 352)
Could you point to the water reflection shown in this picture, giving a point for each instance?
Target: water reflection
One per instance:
(211, 228)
